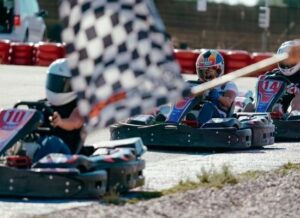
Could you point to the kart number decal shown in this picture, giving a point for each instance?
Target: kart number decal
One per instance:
(11, 121)
(13, 117)
(271, 86)
(268, 89)
(178, 110)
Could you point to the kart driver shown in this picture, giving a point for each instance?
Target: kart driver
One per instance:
(292, 73)
(66, 120)
(210, 65)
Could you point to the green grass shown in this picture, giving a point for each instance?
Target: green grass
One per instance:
(290, 166)
(144, 196)
(207, 179)
(287, 167)
(113, 198)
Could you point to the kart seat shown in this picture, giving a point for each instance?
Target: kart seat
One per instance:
(222, 123)
(191, 120)
(231, 110)
(143, 119)
(191, 123)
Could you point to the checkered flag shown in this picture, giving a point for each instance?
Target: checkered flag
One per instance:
(122, 64)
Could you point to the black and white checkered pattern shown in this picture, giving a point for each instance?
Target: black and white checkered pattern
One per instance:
(114, 46)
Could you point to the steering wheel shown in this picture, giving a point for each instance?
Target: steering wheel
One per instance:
(44, 108)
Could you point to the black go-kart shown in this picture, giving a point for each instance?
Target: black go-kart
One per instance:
(176, 126)
(94, 171)
(270, 89)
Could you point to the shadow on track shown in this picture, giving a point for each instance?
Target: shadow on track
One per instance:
(210, 151)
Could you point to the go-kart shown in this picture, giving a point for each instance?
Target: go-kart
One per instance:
(94, 171)
(270, 89)
(176, 126)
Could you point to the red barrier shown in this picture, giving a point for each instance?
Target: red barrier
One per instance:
(224, 53)
(236, 59)
(46, 53)
(256, 57)
(187, 60)
(22, 61)
(22, 53)
(4, 51)
(48, 56)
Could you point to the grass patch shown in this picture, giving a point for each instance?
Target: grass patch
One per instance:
(144, 196)
(113, 197)
(116, 199)
(250, 175)
(290, 166)
(206, 179)
(287, 167)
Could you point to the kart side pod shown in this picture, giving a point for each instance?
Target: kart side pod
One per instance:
(243, 131)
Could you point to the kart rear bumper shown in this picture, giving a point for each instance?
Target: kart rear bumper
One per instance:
(61, 184)
(287, 129)
(70, 182)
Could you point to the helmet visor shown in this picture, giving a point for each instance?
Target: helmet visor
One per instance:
(58, 84)
(285, 66)
(207, 74)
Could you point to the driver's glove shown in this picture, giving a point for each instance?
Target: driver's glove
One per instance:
(214, 96)
(292, 89)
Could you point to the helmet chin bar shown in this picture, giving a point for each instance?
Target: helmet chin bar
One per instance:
(290, 71)
(210, 77)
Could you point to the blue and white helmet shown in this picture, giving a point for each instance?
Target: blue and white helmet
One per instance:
(285, 69)
(209, 59)
(58, 87)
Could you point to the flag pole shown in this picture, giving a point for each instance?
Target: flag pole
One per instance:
(198, 90)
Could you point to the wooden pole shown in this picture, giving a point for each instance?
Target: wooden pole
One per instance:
(198, 90)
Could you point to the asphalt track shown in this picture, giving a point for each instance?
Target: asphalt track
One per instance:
(163, 168)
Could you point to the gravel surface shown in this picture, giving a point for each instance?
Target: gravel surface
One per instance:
(271, 195)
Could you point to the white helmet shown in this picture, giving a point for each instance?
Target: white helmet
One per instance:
(58, 87)
(288, 70)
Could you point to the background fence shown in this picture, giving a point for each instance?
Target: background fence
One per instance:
(221, 26)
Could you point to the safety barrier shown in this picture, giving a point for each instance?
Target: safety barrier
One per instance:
(21, 53)
(259, 56)
(44, 53)
(234, 60)
(4, 51)
(40, 54)
(187, 60)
